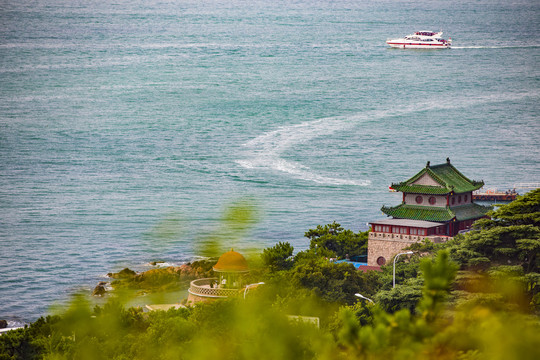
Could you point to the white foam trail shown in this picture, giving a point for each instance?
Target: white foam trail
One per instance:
(495, 46)
(264, 151)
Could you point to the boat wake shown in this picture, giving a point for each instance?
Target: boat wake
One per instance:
(265, 151)
(497, 47)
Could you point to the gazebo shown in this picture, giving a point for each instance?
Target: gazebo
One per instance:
(230, 268)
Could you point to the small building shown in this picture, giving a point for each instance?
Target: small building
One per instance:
(437, 204)
(231, 268)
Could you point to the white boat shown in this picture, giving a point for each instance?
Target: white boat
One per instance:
(421, 40)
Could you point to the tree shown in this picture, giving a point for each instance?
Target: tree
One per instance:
(331, 281)
(338, 241)
(510, 237)
(278, 257)
(525, 210)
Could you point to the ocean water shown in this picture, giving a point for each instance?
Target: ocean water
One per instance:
(121, 121)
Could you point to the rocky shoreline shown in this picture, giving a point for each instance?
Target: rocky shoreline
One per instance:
(159, 279)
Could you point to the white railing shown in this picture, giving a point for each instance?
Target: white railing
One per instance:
(405, 237)
(201, 287)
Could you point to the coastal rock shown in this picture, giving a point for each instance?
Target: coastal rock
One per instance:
(3, 324)
(170, 278)
(123, 274)
(100, 290)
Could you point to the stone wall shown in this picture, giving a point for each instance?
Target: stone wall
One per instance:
(385, 249)
(387, 245)
(193, 299)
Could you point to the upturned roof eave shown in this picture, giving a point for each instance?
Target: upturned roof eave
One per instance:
(447, 184)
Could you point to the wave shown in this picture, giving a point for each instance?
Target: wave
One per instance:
(265, 151)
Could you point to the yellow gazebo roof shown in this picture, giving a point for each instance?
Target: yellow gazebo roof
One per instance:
(231, 261)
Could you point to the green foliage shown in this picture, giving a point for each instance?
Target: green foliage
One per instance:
(166, 232)
(237, 220)
(431, 314)
(525, 210)
(331, 281)
(278, 257)
(407, 267)
(511, 236)
(439, 274)
(515, 244)
(398, 298)
(337, 241)
(259, 327)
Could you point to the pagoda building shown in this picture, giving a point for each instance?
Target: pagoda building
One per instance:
(437, 204)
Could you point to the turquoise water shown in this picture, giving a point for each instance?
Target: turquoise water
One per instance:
(119, 117)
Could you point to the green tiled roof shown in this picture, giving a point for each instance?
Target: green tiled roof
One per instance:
(470, 211)
(420, 189)
(449, 178)
(437, 214)
(413, 212)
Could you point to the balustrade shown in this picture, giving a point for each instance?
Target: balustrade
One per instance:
(201, 287)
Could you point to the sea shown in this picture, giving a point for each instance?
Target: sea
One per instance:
(129, 129)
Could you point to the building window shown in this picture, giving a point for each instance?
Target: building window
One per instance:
(414, 231)
(395, 230)
(381, 261)
(465, 198)
(459, 199)
(453, 200)
(419, 199)
(403, 230)
(432, 200)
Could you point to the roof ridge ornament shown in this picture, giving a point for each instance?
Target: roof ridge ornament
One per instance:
(427, 165)
(448, 160)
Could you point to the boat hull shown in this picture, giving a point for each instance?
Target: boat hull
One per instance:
(416, 45)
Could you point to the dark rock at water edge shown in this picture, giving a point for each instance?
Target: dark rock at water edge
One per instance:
(123, 274)
(3, 324)
(100, 290)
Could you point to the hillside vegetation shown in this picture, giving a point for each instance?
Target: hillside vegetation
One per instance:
(475, 297)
